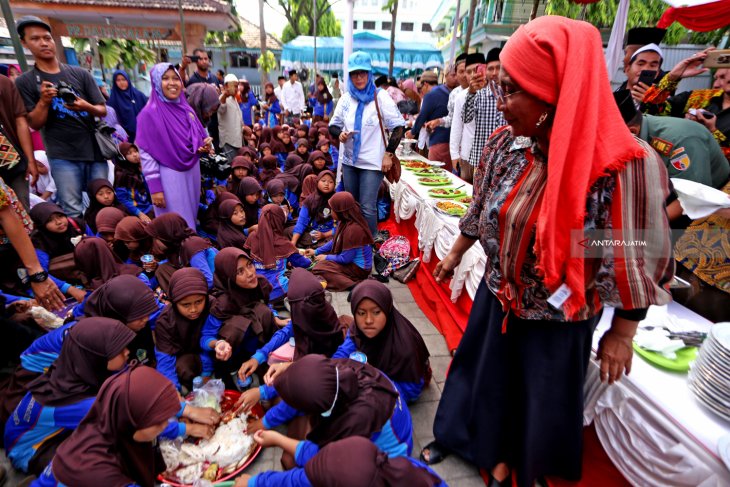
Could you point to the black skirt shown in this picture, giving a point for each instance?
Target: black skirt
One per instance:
(517, 397)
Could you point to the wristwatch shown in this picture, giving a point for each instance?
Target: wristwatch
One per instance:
(38, 276)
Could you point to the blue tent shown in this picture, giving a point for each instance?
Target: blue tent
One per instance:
(299, 53)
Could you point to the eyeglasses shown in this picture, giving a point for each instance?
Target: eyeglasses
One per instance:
(499, 92)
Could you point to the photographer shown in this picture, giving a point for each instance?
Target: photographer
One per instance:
(62, 102)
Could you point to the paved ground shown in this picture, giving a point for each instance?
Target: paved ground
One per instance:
(453, 470)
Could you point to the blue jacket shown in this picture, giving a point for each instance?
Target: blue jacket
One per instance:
(246, 107)
(360, 256)
(303, 223)
(277, 276)
(434, 106)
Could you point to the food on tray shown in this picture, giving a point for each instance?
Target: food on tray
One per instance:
(446, 193)
(434, 181)
(412, 165)
(430, 171)
(465, 199)
(451, 208)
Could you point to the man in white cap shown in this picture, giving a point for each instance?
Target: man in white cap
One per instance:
(646, 59)
(230, 122)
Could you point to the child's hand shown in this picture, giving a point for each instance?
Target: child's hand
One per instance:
(267, 438)
(309, 253)
(223, 350)
(320, 258)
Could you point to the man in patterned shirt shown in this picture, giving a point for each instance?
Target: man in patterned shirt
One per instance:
(481, 105)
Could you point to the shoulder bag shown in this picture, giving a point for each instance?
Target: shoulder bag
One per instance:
(393, 174)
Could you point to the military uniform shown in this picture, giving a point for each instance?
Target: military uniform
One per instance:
(687, 148)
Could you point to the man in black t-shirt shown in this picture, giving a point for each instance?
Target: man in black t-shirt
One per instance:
(68, 128)
(203, 74)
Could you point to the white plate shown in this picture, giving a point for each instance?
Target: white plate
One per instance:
(720, 332)
(723, 449)
(462, 205)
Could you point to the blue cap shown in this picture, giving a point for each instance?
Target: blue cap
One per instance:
(359, 61)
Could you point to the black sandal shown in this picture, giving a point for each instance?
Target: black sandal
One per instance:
(436, 453)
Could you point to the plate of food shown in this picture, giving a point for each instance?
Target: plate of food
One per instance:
(451, 208)
(413, 165)
(434, 181)
(449, 193)
(430, 171)
(465, 199)
(222, 457)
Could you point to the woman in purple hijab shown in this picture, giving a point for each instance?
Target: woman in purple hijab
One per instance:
(170, 139)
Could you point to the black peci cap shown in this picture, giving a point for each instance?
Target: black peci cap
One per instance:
(493, 54)
(475, 58)
(641, 36)
(461, 58)
(381, 80)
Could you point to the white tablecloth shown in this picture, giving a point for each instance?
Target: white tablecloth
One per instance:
(436, 231)
(650, 424)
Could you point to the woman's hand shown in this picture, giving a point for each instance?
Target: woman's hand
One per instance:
(158, 199)
(48, 295)
(248, 400)
(197, 430)
(344, 136)
(267, 438)
(207, 146)
(254, 426)
(275, 371)
(387, 162)
(223, 350)
(144, 218)
(248, 368)
(77, 294)
(445, 269)
(207, 416)
(615, 352)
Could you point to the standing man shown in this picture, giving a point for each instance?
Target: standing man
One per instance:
(230, 118)
(335, 89)
(434, 106)
(15, 128)
(62, 102)
(277, 89)
(202, 72)
(481, 104)
(462, 134)
(456, 76)
(292, 98)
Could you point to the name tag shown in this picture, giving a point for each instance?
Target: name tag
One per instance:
(558, 298)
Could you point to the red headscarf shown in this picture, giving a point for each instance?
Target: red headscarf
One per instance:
(588, 138)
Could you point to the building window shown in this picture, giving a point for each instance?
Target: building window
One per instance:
(354, 24)
(406, 26)
(426, 28)
(368, 25)
(243, 60)
(386, 25)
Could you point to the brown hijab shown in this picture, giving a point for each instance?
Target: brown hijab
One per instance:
(357, 462)
(309, 185)
(229, 235)
(249, 185)
(313, 157)
(317, 329)
(95, 207)
(317, 202)
(124, 298)
(269, 169)
(352, 229)
(398, 350)
(80, 369)
(180, 241)
(54, 244)
(210, 219)
(95, 259)
(175, 334)
(131, 229)
(268, 244)
(108, 218)
(101, 451)
(363, 400)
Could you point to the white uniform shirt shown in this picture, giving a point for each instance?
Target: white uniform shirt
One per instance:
(292, 97)
(461, 137)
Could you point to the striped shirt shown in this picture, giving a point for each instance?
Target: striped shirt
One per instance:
(509, 184)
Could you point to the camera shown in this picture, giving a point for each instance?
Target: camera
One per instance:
(215, 166)
(66, 92)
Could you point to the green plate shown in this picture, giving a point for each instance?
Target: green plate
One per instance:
(451, 193)
(680, 364)
(440, 182)
(435, 172)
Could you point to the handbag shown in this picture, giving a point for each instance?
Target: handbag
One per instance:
(408, 271)
(393, 174)
(9, 154)
(105, 141)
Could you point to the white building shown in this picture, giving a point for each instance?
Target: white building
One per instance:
(412, 23)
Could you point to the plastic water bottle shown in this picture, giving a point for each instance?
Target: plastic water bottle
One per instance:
(292, 342)
(359, 357)
(197, 383)
(242, 384)
(313, 234)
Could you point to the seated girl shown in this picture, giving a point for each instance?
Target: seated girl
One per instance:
(345, 398)
(231, 220)
(281, 144)
(101, 195)
(323, 145)
(132, 234)
(389, 341)
(318, 162)
(209, 218)
(178, 329)
(241, 167)
(354, 461)
(294, 173)
(265, 149)
(249, 193)
(95, 259)
(130, 184)
(52, 239)
(315, 225)
(276, 193)
(116, 443)
(302, 148)
(106, 223)
(269, 169)
(180, 247)
(272, 252)
(240, 320)
(348, 258)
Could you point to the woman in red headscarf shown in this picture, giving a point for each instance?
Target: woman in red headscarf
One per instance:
(564, 167)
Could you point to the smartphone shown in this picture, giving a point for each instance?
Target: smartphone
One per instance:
(717, 59)
(706, 114)
(482, 70)
(193, 59)
(647, 77)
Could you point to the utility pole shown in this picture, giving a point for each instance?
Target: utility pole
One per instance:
(182, 28)
(17, 46)
(314, 19)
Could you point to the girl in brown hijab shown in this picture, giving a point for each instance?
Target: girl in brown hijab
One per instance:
(318, 161)
(180, 245)
(386, 337)
(277, 194)
(106, 222)
(56, 402)
(132, 234)
(115, 444)
(323, 145)
(99, 264)
(309, 184)
(249, 193)
(294, 173)
(231, 220)
(240, 319)
(269, 169)
(315, 224)
(349, 258)
(272, 251)
(241, 167)
(178, 329)
(101, 195)
(352, 462)
(209, 219)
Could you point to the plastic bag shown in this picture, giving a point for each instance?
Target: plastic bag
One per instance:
(210, 395)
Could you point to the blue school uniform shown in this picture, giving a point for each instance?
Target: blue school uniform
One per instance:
(273, 111)
(360, 256)
(167, 364)
(209, 336)
(322, 109)
(246, 107)
(305, 219)
(204, 260)
(277, 276)
(135, 200)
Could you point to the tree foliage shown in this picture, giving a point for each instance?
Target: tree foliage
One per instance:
(300, 15)
(641, 13)
(392, 8)
(119, 52)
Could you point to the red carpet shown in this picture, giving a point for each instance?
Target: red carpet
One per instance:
(451, 318)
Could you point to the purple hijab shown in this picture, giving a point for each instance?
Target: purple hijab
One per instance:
(169, 130)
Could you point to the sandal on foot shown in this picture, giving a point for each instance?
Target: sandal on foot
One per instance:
(436, 453)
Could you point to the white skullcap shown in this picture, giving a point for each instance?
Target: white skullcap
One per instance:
(648, 47)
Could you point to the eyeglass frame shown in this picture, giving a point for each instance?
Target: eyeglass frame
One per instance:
(499, 93)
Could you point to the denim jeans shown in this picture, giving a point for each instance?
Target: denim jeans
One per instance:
(364, 185)
(71, 178)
